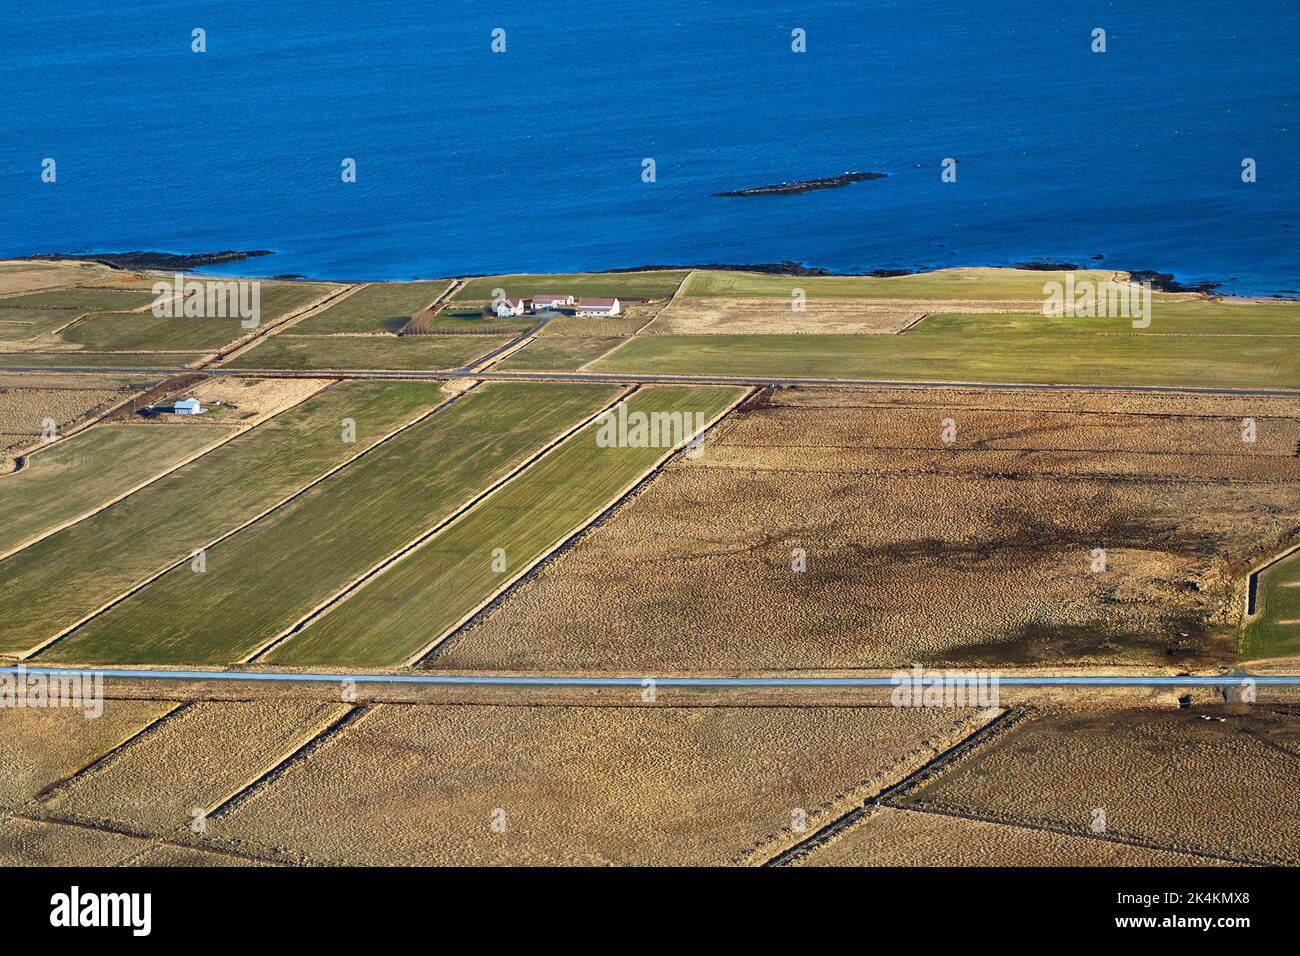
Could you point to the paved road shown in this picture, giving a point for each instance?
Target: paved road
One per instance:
(616, 378)
(549, 680)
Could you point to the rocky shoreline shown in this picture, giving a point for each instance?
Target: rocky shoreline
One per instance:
(805, 185)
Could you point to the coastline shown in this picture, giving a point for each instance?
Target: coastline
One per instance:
(152, 261)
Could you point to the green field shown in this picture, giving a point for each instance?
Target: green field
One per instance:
(380, 307)
(943, 284)
(52, 584)
(474, 319)
(645, 285)
(12, 360)
(81, 473)
(977, 348)
(144, 330)
(417, 599)
(409, 352)
(552, 352)
(18, 325)
(265, 578)
(579, 326)
(43, 312)
(1275, 631)
(78, 300)
(1169, 316)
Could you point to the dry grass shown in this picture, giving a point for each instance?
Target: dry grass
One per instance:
(29, 276)
(39, 844)
(768, 316)
(197, 758)
(39, 747)
(893, 837)
(243, 401)
(23, 411)
(1170, 778)
(976, 553)
(601, 785)
(632, 318)
(162, 854)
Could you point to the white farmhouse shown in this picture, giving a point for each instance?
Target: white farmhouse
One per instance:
(188, 406)
(508, 307)
(605, 307)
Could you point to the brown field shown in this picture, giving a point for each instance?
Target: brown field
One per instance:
(589, 785)
(768, 316)
(243, 401)
(161, 854)
(576, 326)
(40, 747)
(978, 553)
(39, 843)
(895, 837)
(1167, 778)
(29, 276)
(198, 757)
(24, 410)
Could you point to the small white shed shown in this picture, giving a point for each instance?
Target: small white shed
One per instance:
(188, 406)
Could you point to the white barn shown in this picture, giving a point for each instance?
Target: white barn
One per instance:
(605, 307)
(188, 406)
(551, 301)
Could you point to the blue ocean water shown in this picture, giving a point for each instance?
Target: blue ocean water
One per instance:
(531, 159)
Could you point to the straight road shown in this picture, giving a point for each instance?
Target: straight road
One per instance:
(624, 378)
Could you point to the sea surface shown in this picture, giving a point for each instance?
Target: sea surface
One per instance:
(532, 159)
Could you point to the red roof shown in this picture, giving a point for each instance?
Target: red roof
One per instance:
(597, 303)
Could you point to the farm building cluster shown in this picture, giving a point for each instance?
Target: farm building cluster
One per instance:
(557, 303)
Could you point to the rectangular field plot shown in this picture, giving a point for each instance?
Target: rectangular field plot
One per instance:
(10, 361)
(54, 583)
(807, 536)
(894, 837)
(144, 331)
(1165, 778)
(264, 579)
(594, 785)
(21, 276)
(19, 326)
(29, 415)
(721, 316)
(40, 747)
(197, 758)
(555, 353)
(1275, 630)
(433, 588)
(378, 307)
(967, 348)
(84, 472)
(81, 300)
(951, 285)
(345, 352)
